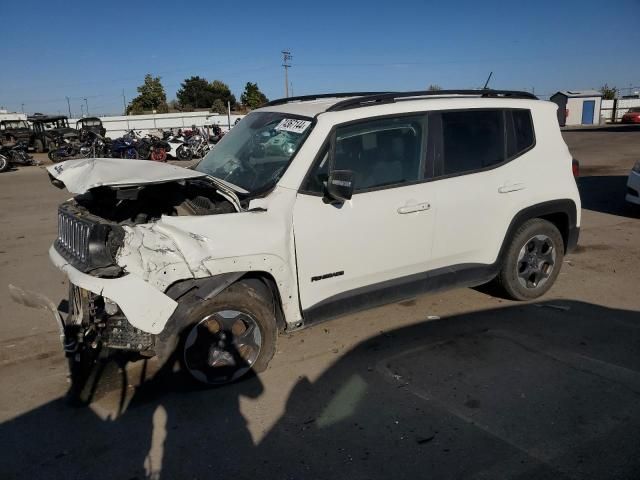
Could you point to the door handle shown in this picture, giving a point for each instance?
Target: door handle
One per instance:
(418, 207)
(512, 187)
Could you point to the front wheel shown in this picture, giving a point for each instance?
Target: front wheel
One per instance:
(4, 163)
(158, 154)
(229, 335)
(53, 155)
(184, 153)
(532, 261)
(130, 153)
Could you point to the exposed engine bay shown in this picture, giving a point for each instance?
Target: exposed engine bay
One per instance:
(147, 203)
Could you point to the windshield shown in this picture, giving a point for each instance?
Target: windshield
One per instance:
(15, 124)
(60, 123)
(257, 151)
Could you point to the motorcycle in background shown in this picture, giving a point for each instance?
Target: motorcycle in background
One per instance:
(15, 155)
(96, 146)
(125, 146)
(62, 149)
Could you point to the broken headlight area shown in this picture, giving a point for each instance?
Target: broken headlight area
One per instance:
(91, 325)
(90, 227)
(88, 242)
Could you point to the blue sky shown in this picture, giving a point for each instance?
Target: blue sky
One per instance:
(50, 50)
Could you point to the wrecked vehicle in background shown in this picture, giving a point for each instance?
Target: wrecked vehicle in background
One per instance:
(308, 209)
(49, 129)
(88, 125)
(15, 131)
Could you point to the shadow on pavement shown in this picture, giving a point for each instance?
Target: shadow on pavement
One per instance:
(606, 194)
(550, 390)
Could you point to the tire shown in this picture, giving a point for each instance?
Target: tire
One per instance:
(4, 163)
(532, 260)
(53, 156)
(235, 329)
(130, 153)
(38, 146)
(158, 155)
(184, 153)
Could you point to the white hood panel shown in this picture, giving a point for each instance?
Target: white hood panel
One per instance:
(80, 176)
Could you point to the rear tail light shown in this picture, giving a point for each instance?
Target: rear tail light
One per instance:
(575, 166)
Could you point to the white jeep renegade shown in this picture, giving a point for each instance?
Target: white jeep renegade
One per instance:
(312, 207)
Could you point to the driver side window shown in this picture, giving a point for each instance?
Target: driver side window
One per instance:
(380, 153)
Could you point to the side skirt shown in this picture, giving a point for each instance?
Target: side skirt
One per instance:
(391, 291)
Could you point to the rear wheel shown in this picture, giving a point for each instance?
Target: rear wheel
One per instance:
(532, 261)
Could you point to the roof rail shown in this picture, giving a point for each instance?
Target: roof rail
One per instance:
(305, 98)
(390, 97)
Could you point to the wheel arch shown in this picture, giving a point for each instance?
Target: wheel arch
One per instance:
(191, 291)
(562, 213)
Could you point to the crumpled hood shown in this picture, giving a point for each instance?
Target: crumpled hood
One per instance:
(80, 176)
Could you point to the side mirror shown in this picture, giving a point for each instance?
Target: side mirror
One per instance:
(340, 185)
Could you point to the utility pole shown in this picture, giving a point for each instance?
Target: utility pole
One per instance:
(286, 57)
(87, 105)
(22, 106)
(124, 103)
(82, 111)
(69, 106)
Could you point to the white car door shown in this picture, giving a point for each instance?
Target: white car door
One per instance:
(361, 252)
(479, 182)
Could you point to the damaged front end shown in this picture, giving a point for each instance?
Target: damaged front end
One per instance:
(118, 260)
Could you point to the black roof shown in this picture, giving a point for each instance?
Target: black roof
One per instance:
(363, 99)
(45, 118)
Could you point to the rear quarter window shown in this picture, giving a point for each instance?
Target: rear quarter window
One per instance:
(523, 131)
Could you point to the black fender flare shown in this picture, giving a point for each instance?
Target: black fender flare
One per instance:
(553, 209)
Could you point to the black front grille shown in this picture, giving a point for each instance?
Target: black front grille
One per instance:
(73, 236)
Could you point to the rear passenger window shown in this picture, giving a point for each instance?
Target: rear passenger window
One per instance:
(472, 140)
(381, 152)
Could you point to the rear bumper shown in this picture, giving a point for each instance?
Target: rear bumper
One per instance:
(145, 307)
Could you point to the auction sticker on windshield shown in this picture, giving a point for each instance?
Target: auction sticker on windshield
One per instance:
(293, 125)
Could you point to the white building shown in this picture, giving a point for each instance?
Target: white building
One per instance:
(5, 115)
(578, 107)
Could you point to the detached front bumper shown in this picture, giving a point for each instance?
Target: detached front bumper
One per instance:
(145, 307)
(633, 188)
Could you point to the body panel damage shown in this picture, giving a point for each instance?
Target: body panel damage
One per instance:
(156, 255)
(144, 306)
(80, 176)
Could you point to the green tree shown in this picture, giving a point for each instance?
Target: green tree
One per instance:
(221, 91)
(218, 106)
(608, 93)
(195, 92)
(252, 97)
(151, 97)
